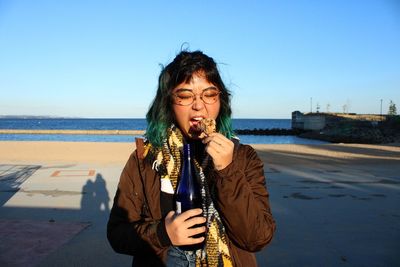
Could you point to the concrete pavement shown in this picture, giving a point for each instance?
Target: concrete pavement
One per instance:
(329, 211)
(59, 194)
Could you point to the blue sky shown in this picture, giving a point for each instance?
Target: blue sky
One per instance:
(102, 58)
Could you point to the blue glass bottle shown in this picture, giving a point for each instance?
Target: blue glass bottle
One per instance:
(188, 194)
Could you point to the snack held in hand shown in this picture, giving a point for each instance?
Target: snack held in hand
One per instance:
(207, 126)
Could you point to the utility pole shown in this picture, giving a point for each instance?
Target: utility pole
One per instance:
(311, 104)
(381, 109)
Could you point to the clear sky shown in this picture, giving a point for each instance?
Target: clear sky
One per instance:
(102, 58)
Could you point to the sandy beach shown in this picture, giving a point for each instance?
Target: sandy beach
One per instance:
(65, 152)
(107, 152)
(335, 204)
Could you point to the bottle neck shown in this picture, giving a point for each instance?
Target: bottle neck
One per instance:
(197, 150)
(187, 152)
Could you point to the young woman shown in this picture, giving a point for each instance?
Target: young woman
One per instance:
(235, 220)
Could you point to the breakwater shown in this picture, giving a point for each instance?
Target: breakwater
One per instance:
(362, 132)
(359, 135)
(274, 131)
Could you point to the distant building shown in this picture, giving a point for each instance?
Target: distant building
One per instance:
(297, 120)
(310, 121)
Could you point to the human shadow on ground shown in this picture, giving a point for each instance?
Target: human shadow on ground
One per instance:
(95, 198)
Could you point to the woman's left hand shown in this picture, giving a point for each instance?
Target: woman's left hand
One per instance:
(220, 149)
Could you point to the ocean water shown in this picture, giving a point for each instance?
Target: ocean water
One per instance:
(73, 124)
(123, 124)
(133, 124)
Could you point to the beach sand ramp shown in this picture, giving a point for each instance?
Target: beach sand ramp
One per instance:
(27, 242)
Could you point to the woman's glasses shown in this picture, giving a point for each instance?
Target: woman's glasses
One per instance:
(186, 97)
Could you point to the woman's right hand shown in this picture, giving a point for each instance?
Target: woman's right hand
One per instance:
(179, 227)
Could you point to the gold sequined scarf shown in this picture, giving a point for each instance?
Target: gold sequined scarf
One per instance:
(167, 162)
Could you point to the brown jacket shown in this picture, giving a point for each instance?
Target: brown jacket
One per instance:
(242, 201)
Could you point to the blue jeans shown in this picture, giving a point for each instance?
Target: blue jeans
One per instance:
(180, 258)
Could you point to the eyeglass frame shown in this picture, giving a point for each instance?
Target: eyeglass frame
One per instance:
(194, 95)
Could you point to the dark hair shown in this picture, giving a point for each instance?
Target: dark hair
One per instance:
(160, 115)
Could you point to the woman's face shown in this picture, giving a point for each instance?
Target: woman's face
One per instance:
(189, 116)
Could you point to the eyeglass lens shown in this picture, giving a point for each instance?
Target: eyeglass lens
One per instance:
(186, 97)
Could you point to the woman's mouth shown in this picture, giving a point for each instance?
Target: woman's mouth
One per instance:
(195, 123)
